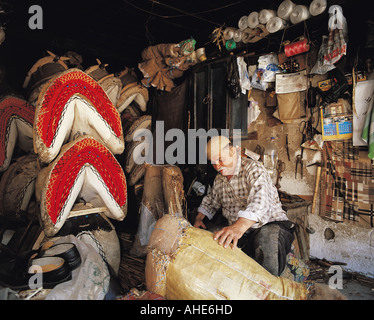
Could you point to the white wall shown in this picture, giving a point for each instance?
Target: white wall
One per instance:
(352, 245)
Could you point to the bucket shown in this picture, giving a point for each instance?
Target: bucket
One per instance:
(200, 54)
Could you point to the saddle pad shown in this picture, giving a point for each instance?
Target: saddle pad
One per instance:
(84, 169)
(16, 120)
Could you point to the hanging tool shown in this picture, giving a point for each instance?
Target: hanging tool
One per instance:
(318, 177)
(287, 149)
(299, 161)
(338, 88)
(260, 150)
(303, 129)
(280, 168)
(307, 130)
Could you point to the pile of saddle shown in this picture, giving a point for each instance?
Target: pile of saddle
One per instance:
(59, 147)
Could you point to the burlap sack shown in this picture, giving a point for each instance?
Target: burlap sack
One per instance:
(163, 190)
(91, 225)
(153, 193)
(105, 242)
(185, 263)
(152, 208)
(172, 182)
(289, 105)
(161, 64)
(163, 193)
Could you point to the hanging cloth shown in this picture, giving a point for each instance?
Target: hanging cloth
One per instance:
(245, 82)
(368, 131)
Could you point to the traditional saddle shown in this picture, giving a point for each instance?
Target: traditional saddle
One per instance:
(84, 169)
(109, 82)
(73, 104)
(16, 121)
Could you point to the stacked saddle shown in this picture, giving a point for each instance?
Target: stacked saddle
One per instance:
(110, 83)
(138, 138)
(59, 150)
(77, 131)
(18, 168)
(132, 91)
(43, 70)
(16, 117)
(70, 105)
(60, 145)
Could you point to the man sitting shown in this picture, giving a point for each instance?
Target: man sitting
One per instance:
(250, 203)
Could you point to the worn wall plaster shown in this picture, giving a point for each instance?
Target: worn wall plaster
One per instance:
(353, 245)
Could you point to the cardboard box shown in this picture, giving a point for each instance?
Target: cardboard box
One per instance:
(337, 121)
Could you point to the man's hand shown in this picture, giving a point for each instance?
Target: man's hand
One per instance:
(233, 233)
(199, 221)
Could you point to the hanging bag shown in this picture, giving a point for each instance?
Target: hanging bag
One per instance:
(338, 30)
(233, 79)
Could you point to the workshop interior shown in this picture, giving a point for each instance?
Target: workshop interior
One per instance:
(106, 110)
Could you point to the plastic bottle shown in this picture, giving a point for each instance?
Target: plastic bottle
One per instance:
(271, 158)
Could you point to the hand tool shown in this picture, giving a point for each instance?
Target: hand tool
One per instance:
(287, 149)
(318, 176)
(304, 130)
(299, 161)
(280, 168)
(260, 150)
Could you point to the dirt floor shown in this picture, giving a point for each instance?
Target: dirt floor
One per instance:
(355, 290)
(355, 286)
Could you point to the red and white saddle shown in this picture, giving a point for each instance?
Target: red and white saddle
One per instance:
(16, 121)
(85, 169)
(74, 104)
